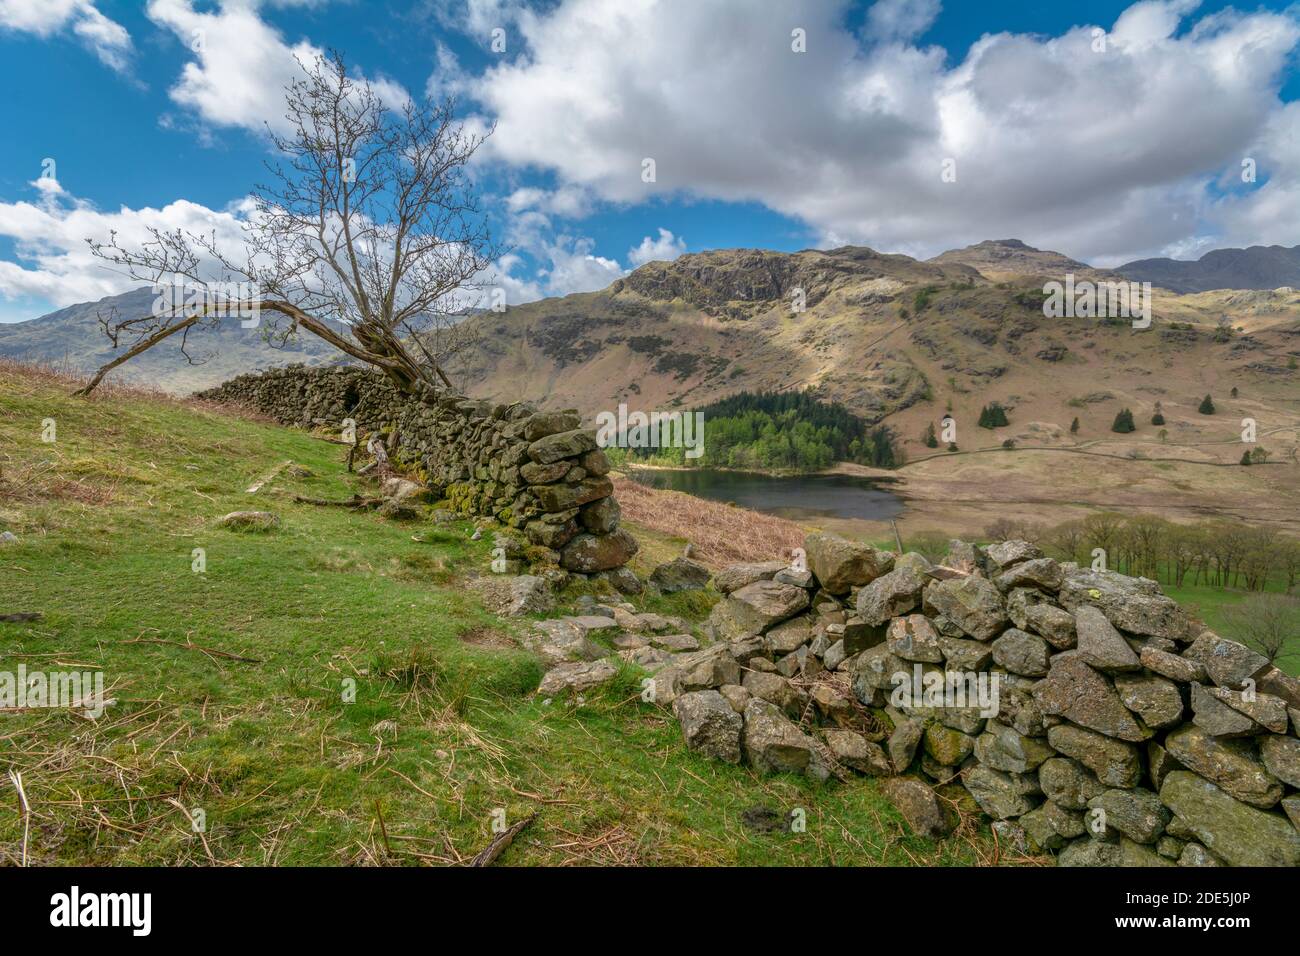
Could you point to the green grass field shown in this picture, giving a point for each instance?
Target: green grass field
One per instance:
(444, 730)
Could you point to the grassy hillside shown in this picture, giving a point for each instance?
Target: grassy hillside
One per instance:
(444, 729)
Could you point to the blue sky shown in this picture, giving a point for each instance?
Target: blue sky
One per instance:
(1107, 155)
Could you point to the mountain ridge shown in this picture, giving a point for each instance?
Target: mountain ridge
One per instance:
(1254, 267)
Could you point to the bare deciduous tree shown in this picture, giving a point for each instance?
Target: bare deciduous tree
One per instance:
(1270, 623)
(369, 237)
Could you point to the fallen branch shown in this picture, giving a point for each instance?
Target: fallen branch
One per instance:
(195, 647)
(356, 501)
(376, 447)
(257, 486)
(21, 618)
(487, 856)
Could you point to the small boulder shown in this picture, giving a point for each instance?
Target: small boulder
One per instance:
(576, 676)
(1100, 645)
(1021, 653)
(756, 608)
(1115, 763)
(841, 564)
(920, 807)
(680, 574)
(736, 576)
(1231, 764)
(256, 521)
(775, 745)
(710, 724)
(1239, 834)
(858, 753)
(973, 603)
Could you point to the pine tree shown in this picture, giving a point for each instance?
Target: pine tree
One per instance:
(1245, 458)
(1123, 422)
(1159, 417)
(1234, 391)
(1074, 426)
(931, 440)
(1207, 406)
(993, 415)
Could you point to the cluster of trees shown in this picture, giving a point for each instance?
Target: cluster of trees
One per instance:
(993, 415)
(782, 431)
(1219, 553)
(1123, 422)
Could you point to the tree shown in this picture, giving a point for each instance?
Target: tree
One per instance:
(1245, 458)
(930, 438)
(1123, 422)
(993, 415)
(1207, 406)
(369, 236)
(1074, 426)
(1158, 418)
(1266, 622)
(1234, 391)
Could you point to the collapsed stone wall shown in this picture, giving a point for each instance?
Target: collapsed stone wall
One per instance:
(537, 471)
(1122, 733)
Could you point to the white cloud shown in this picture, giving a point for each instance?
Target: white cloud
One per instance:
(241, 64)
(573, 267)
(900, 19)
(665, 248)
(53, 261)
(1104, 155)
(109, 40)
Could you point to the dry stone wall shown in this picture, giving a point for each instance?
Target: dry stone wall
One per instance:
(536, 471)
(1083, 711)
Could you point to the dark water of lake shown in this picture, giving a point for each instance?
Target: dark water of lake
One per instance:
(794, 497)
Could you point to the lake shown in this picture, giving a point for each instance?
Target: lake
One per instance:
(795, 497)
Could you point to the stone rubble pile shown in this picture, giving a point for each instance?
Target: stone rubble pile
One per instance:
(535, 471)
(1123, 732)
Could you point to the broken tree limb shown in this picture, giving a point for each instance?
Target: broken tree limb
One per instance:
(376, 447)
(126, 356)
(356, 501)
(487, 856)
(271, 475)
(21, 618)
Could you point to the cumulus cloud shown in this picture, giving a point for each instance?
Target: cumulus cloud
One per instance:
(241, 64)
(665, 248)
(1105, 154)
(52, 261)
(109, 40)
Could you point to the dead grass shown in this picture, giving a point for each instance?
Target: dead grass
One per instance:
(722, 534)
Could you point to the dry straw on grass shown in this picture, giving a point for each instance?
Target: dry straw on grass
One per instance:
(722, 534)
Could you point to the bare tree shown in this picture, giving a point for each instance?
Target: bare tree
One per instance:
(368, 236)
(1268, 623)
